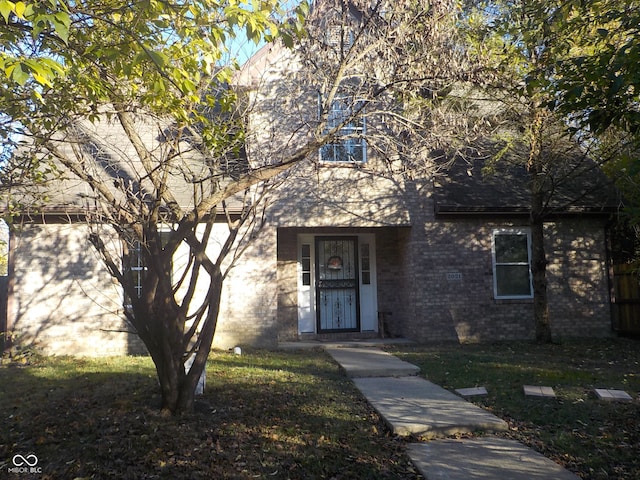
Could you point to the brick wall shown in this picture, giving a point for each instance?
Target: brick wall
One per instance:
(248, 314)
(453, 284)
(287, 284)
(392, 290)
(64, 302)
(435, 284)
(577, 272)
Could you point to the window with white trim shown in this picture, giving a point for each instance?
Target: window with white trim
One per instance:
(511, 251)
(135, 263)
(348, 145)
(339, 36)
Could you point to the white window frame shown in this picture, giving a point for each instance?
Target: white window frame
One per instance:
(511, 231)
(138, 265)
(350, 137)
(339, 36)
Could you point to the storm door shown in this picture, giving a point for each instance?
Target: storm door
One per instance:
(337, 293)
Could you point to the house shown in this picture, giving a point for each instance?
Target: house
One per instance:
(350, 248)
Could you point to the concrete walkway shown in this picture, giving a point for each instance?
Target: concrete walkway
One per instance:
(411, 405)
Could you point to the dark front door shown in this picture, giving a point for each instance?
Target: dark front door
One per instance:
(337, 293)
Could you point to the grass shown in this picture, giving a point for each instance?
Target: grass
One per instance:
(270, 415)
(277, 415)
(593, 438)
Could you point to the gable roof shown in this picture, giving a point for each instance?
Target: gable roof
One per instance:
(475, 185)
(107, 154)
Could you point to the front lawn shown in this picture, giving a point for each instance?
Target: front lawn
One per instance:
(264, 415)
(593, 438)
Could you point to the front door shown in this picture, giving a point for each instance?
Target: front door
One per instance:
(337, 293)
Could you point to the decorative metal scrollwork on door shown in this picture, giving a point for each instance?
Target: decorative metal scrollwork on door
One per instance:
(337, 283)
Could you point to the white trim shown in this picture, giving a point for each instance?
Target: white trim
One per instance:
(511, 231)
(306, 293)
(369, 292)
(352, 133)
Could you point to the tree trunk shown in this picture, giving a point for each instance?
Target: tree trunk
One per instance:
(178, 386)
(170, 372)
(536, 169)
(539, 272)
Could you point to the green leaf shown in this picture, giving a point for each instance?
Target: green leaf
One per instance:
(61, 23)
(19, 74)
(160, 59)
(6, 8)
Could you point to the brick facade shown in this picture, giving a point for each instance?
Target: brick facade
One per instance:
(434, 284)
(435, 277)
(62, 300)
(434, 273)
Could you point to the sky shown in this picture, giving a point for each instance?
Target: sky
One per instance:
(242, 49)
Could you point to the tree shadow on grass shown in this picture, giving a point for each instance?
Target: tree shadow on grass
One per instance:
(262, 424)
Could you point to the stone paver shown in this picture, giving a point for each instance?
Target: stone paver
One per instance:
(472, 391)
(412, 405)
(613, 395)
(535, 391)
(483, 458)
(371, 362)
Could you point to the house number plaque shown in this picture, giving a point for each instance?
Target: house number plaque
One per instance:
(454, 276)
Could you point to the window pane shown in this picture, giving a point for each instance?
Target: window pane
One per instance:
(511, 248)
(365, 261)
(328, 153)
(348, 145)
(365, 264)
(306, 264)
(513, 280)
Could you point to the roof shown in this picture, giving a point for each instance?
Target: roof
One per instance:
(477, 185)
(108, 155)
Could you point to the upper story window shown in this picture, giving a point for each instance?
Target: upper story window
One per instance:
(348, 145)
(511, 250)
(337, 36)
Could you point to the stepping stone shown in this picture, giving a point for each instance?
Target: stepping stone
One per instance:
(415, 406)
(613, 395)
(534, 391)
(482, 459)
(470, 392)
